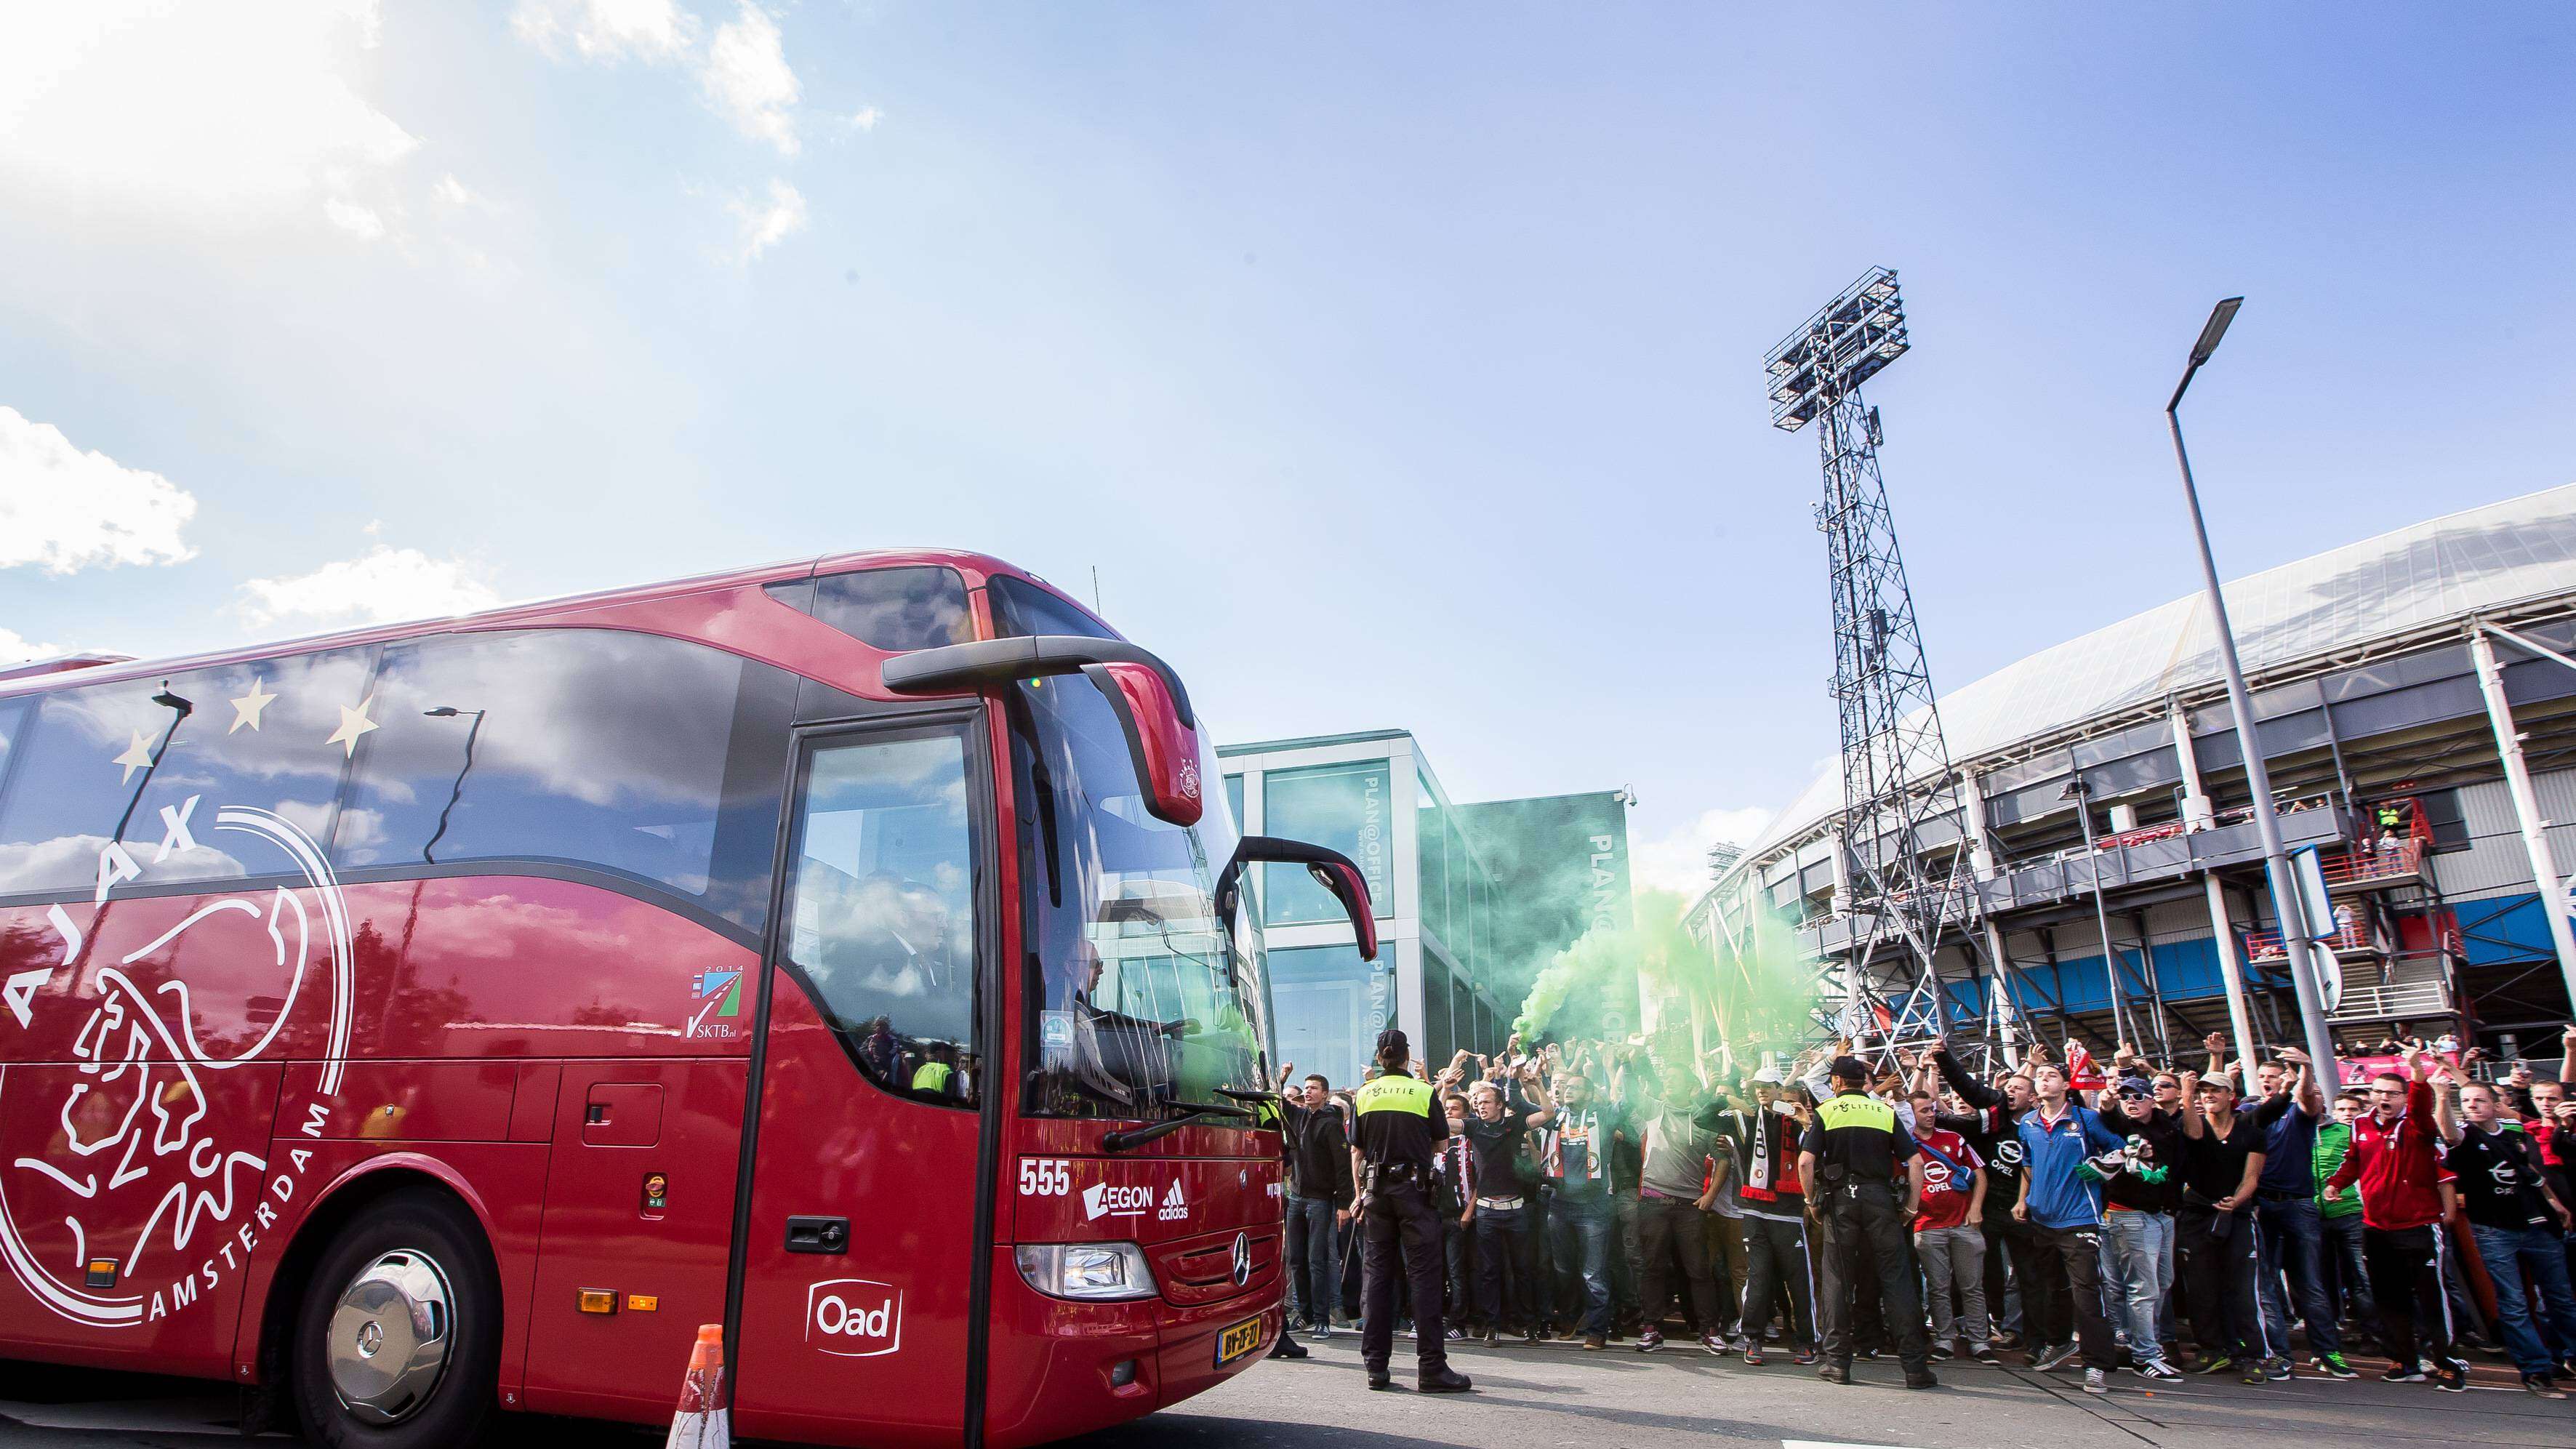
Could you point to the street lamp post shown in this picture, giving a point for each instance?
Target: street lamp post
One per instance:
(2276, 860)
(455, 792)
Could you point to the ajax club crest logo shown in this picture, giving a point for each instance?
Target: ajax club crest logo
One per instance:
(137, 1175)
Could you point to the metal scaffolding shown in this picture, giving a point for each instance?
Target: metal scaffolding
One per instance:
(1897, 777)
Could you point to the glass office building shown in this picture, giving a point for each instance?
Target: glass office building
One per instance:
(1455, 944)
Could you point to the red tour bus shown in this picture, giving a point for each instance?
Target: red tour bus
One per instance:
(429, 1021)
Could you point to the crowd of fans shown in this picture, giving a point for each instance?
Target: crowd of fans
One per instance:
(2148, 1218)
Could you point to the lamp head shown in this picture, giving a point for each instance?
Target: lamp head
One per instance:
(444, 711)
(2214, 329)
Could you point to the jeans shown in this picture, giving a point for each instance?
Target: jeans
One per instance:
(1670, 1227)
(1314, 1257)
(1580, 1229)
(1624, 1257)
(2512, 1256)
(1454, 1236)
(1955, 1256)
(2347, 1270)
(1505, 1239)
(1727, 1270)
(2141, 1247)
(1779, 1278)
(2293, 1239)
(2008, 1244)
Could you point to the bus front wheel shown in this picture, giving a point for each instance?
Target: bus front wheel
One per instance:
(398, 1341)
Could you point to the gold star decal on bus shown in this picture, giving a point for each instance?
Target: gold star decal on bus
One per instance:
(246, 709)
(353, 723)
(137, 756)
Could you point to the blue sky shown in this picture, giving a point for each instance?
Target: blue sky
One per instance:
(1393, 366)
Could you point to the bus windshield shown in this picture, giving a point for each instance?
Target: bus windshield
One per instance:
(1141, 1003)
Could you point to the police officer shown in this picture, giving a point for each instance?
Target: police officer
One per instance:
(1400, 1130)
(1850, 1163)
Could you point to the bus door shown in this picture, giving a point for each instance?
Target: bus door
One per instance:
(859, 1242)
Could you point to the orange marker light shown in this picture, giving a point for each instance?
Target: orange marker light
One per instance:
(599, 1300)
(643, 1303)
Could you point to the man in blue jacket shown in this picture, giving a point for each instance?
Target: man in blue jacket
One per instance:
(2062, 1202)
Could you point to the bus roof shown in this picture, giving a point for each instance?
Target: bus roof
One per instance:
(101, 668)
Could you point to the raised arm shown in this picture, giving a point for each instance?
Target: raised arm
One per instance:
(1971, 1091)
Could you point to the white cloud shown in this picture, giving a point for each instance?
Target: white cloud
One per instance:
(865, 119)
(362, 222)
(231, 112)
(16, 649)
(747, 79)
(1678, 861)
(377, 587)
(607, 30)
(741, 70)
(765, 224)
(65, 509)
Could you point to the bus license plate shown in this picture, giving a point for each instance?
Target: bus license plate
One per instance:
(1237, 1340)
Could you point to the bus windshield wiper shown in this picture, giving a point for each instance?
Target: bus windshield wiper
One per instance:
(1121, 1141)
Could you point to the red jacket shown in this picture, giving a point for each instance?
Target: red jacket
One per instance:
(2396, 1166)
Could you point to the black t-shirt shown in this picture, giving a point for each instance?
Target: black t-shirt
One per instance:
(2213, 1168)
(2499, 1179)
(2162, 1142)
(1501, 1170)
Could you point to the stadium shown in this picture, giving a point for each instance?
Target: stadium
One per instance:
(2098, 791)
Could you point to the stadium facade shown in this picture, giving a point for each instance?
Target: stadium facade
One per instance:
(2385, 758)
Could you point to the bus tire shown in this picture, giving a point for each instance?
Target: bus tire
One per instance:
(398, 1338)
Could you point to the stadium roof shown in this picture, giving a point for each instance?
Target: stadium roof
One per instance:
(2480, 561)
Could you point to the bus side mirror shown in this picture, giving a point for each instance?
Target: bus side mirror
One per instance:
(1331, 869)
(1164, 751)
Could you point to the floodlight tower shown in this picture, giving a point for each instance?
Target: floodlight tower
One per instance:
(1895, 763)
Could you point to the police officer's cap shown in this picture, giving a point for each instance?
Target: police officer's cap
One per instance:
(1849, 1069)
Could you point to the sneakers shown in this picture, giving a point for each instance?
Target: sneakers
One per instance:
(1984, 1353)
(2333, 1366)
(1719, 1346)
(2051, 1358)
(2216, 1363)
(1651, 1340)
(1532, 1337)
(1738, 1342)
(2254, 1373)
(1446, 1381)
(2541, 1385)
(2405, 1373)
(1594, 1343)
(2095, 1382)
(1804, 1357)
(2156, 1368)
(1320, 1328)
(2452, 1377)
(1493, 1336)
(1410, 1331)
(1944, 1350)
(2277, 1369)
(1753, 1356)
(1455, 1335)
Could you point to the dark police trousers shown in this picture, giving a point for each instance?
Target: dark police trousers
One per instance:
(1402, 1220)
(1861, 1233)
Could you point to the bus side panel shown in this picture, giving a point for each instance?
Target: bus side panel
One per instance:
(1054, 1364)
(622, 1129)
(502, 1183)
(136, 1197)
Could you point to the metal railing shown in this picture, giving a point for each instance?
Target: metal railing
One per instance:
(2395, 860)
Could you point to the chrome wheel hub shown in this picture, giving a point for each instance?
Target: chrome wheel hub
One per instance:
(390, 1335)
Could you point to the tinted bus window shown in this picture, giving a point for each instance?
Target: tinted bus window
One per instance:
(267, 736)
(644, 756)
(1023, 608)
(897, 609)
(883, 911)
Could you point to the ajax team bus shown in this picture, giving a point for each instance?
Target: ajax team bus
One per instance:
(429, 1022)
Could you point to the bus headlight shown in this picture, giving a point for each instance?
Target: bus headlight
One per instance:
(1089, 1272)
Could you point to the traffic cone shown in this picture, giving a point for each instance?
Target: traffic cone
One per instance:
(701, 1421)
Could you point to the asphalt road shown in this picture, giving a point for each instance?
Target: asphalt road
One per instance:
(1556, 1395)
